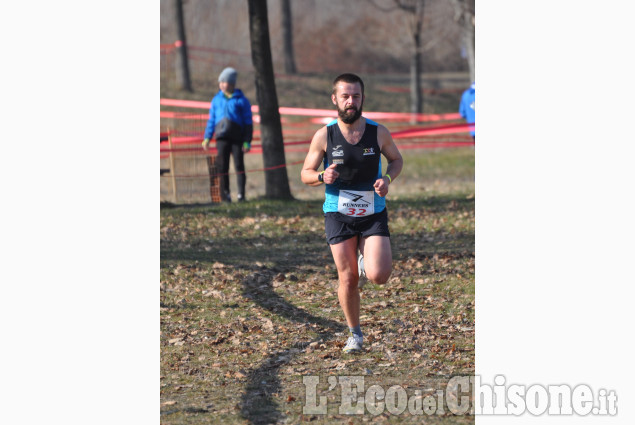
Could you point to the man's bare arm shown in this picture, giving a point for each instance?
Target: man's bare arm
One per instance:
(395, 161)
(314, 158)
(391, 152)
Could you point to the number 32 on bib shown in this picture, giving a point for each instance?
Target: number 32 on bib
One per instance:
(357, 203)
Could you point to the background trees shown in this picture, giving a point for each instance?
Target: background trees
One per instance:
(287, 37)
(184, 66)
(403, 40)
(329, 35)
(464, 15)
(276, 179)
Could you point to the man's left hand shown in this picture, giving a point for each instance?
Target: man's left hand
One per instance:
(381, 186)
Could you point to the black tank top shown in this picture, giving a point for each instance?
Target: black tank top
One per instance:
(357, 164)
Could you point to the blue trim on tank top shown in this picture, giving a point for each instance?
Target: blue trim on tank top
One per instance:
(330, 201)
(331, 193)
(371, 122)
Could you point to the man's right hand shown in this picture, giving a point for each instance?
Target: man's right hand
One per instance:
(205, 144)
(331, 174)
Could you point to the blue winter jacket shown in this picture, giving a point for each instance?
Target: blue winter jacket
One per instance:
(230, 119)
(466, 107)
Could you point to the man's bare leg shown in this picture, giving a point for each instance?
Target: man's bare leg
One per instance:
(345, 257)
(377, 258)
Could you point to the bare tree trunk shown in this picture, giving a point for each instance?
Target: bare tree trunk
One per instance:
(416, 98)
(416, 95)
(464, 15)
(287, 37)
(184, 66)
(468, 30)
(276, 179)
(414, 15)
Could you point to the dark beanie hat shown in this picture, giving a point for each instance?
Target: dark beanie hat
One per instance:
(228, 75)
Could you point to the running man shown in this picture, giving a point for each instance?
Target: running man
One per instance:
(355, 213)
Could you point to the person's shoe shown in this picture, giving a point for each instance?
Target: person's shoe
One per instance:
(353, 344)
(362, 272)
(241, 197)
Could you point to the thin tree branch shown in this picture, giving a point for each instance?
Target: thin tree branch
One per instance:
(382, 8)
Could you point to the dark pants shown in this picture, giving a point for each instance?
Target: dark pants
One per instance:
(225, 148)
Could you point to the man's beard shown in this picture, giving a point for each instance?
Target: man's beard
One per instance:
(350, 116)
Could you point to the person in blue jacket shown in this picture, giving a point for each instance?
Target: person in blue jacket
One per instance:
(230, 119)
(466, 108)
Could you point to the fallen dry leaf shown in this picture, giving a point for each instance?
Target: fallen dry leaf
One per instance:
(268, 324)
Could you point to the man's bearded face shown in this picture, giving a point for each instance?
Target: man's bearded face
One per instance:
(350, 114)
(349, 100)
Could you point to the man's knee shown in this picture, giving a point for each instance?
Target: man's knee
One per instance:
(348, 280)
(379, 277)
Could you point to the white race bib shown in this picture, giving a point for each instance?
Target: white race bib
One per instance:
(356, 203)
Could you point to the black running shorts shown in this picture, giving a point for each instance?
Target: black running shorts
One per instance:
(340, 227)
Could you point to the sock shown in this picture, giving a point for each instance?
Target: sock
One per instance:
(357, 331)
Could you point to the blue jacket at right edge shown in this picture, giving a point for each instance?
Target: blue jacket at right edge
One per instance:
(230, 118)
(466, 107)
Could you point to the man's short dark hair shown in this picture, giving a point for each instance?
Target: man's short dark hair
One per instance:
(348, 78)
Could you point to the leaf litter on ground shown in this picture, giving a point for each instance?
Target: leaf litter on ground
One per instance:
(242, 324)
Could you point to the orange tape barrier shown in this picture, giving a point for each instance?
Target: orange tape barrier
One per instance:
(203, 117)
(186, 103)
(179, 43)
(431, 131)
(394, 116)
(395, 89)
(403, 134)
(258, 149)
(198, 176)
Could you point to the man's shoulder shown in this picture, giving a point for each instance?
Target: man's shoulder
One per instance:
(321, 135)
(375, 124)
(371, 122)
(322, 131)
(383, 135)
(381, 129)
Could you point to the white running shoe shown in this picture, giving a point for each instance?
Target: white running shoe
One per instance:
(353, 344)
(362, 272)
